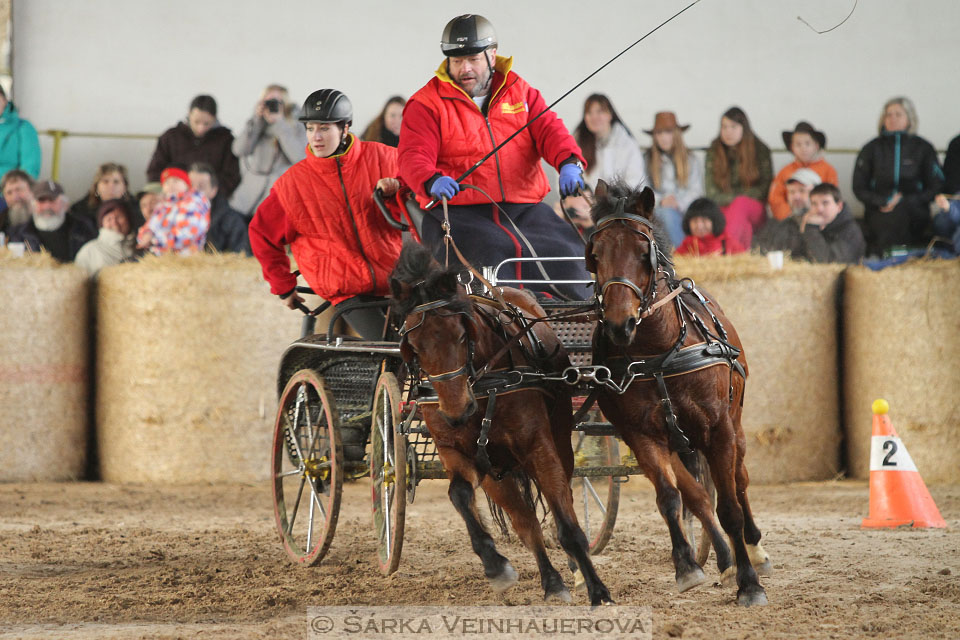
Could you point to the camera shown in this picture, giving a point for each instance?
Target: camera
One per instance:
(273, 105)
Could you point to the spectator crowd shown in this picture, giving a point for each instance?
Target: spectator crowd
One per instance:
(204, 185)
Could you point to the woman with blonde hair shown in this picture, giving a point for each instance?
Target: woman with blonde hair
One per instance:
(896, 176)
(271, 142)
(110, 182)
(385, 128)
(738, 175)
(673, 172)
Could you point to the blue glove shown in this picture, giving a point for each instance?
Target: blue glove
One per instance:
(444, 187)
(571, 179)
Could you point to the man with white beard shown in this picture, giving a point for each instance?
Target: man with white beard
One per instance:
(50, 226)
(16, 189)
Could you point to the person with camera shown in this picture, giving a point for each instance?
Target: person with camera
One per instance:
(271, 142)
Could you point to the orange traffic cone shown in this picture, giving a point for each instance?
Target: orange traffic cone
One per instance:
(898, 495)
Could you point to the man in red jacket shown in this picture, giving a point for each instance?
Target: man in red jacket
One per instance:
(474, 103)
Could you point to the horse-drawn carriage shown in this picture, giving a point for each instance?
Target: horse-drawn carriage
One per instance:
(330, 385)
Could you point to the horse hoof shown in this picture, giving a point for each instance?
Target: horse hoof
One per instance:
(759, 559)
(506, 579)
(561, 595)
(691, 579)
(579, 583)
(752, 596)
(729, 577)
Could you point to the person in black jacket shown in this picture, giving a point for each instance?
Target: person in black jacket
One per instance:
(51, 227)
(896, 176)
(200, 139)
(828, 231)
(951, 167)
(228, 227)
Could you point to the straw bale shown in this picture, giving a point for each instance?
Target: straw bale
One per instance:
(44, 369)
(902, 343)
(787, 321)
(187, 358)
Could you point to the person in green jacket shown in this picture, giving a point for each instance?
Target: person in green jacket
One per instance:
(19, 146)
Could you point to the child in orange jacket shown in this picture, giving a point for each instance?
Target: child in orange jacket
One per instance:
(805, 143)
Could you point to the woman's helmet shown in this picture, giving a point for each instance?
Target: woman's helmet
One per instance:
(327, 105)
(467, 35)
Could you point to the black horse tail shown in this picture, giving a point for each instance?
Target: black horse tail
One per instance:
(529, 493)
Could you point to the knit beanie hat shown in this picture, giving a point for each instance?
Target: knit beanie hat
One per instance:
(174, 172)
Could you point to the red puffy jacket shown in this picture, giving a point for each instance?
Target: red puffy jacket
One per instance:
(444, 131)
(323, 208)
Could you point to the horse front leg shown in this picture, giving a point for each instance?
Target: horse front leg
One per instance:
(463, 479)
(507, 494)
(544, 465)
(654, 459)
(723, 459)
(696, 499)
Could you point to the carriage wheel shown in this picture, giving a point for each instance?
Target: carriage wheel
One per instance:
(697, 536)
(307, 468)
(388, 472)
(596, 498)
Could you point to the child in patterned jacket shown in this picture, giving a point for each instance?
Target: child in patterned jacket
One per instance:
(179, 223)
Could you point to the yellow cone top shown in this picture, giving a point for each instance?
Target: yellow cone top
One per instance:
(880, 406)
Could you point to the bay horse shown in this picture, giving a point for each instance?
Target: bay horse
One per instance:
(449, 336)
(676, 383)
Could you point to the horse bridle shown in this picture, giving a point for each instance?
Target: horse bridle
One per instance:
(646, 299)
(466, 369)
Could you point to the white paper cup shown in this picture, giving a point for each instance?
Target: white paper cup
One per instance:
(775, 258)
(17, 249)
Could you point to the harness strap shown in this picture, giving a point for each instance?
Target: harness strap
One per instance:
(679, 441)
(483, 458)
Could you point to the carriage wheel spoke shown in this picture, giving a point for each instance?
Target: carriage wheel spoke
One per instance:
(310, 523)
(292, 472)
(296, 507)
(589, 485)
(586, 510)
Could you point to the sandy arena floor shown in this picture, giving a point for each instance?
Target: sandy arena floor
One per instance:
(103, 561)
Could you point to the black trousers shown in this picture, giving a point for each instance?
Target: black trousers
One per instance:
(486, 236)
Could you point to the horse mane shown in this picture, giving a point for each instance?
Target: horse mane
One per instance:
(417, 279)
(606, 205)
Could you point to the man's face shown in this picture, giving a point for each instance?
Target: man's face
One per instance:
(798, 196)
(49, 213)
(17, 191)
(472, 73)
(51, 207)
(202, 183)
(823, 209)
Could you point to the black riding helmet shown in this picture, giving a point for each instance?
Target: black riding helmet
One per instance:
(467, 35)
(327, 105)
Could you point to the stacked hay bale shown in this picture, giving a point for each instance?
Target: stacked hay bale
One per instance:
(187, 357)
(902, 343)
(787, 321)
(44, 369)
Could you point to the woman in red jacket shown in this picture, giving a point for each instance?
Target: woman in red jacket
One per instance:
(323, 208)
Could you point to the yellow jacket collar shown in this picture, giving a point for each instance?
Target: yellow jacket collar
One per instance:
(502, 65)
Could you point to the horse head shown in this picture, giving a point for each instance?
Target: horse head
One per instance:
(628, 252)
(439, 332)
